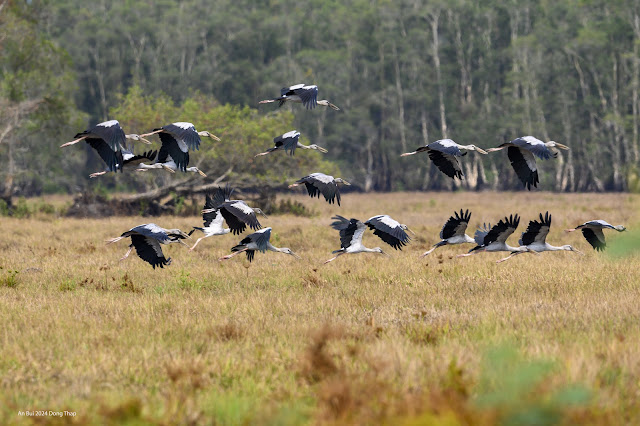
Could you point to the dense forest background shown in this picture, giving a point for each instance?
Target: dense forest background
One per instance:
(405, 73)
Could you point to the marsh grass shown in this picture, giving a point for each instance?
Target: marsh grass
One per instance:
(363, 340)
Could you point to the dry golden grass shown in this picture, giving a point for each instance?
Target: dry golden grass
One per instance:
(365, 339)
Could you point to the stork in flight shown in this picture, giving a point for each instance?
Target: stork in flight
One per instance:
(146, 239)
(444, 155)
(351, 231)
(453, 231)
(522, 153)
(592, 232)
(258, 241)
(178, 138)
(534, 238)
(108, 139)
(213, 222)
(493, 238)
(236, 212)
(289, 142)
(299, 93)
(129, 160)
(319, 183)
(165, 161)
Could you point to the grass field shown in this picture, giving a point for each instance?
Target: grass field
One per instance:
(365, 339)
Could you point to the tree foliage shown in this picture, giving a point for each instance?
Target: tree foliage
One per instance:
(405, 73)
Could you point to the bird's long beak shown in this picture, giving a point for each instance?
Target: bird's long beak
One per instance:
(577, 251)
(412, 233)
(384, 253)
(214, 137)
(295, 255)
(147, 141)
(321, 149)
(262, 213)
(345, 182)
(481, 151)
(202, 173)
(332, 106)
(561, 146)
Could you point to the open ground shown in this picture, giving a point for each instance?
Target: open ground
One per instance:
(365, 339)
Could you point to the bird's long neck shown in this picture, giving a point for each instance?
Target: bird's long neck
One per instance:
(369, 250)
(549, 247)
(149, 166)
(271, 247)
(468, 239)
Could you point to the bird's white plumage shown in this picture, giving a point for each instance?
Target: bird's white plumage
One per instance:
(298, 86)
(243, 207)
(321, 177)
(356, 239)
(184, 125)
(109, 123)
(291, 134)
(387, 220)
(529, 158)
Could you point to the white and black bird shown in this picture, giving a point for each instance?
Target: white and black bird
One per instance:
(108, 139)
(165, 161)
(592, 232)
(444, 155)
(129, 161)
(258, 241)
(494, 238)
(351, 231)
(522, 153)
(453, 231)
(535, 238)
(178, 138)
(236, 212)
(289, 142)
(299, 93)
(146, 239)
(213, 222)
(319, 183)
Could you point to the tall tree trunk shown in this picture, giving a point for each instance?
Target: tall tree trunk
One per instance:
(435, 46)
(403, 137)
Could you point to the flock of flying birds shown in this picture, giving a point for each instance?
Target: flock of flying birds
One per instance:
(110, 142)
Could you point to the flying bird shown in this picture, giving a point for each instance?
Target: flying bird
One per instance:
(522, 153)
(444, 155)
(178, 138)
(165, 161)
(129, 160)
(453, 231)
(351, 231)
(236, 212)
(493, 238)
(213, 222)
(146, 239)
(299, 93)
(108, 139)
(534, 238)
(258, 241)
(289, 142)
(592, 232)
(319, 183)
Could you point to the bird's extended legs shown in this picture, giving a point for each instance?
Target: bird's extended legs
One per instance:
(96, 174)
(333, 258)
(266, 101)
(151, 133)
(428, 252)
(72, 142)
(194, 246)
(167, 168)
(127, 254)
(293, 185)
(508, 257)
(229, 256)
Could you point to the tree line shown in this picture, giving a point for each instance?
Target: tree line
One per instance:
(404, 73)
